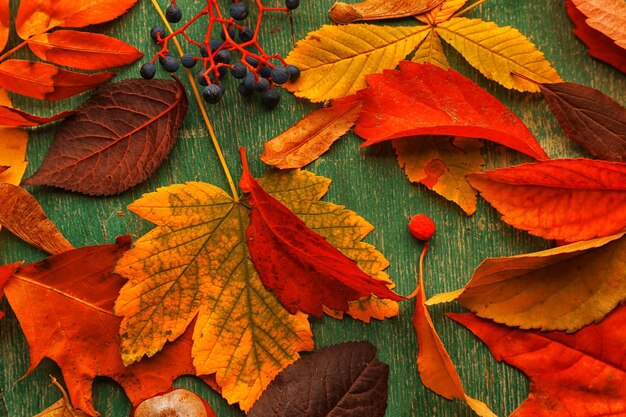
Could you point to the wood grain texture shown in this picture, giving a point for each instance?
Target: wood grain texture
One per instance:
(368, 181)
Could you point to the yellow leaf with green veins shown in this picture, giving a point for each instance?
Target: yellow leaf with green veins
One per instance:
(431, 51)
(196, 264)
(441, 163)
(497, 51)
(334, 60)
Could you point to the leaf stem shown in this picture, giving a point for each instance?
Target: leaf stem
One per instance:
(10, 51)
(468, 8)
(205, 115)
(420, 283)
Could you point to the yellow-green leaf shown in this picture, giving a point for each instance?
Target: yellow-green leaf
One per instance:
(442, 12)
(498, 51)
(334, 60)
(441, 163)
(431, 51)
(196, 264)
(565, 288)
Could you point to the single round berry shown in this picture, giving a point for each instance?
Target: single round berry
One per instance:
(214, 44)
(147, 70)
(294, 72)
(203, 52)
(292, 4)
(262, 85)
(157, 33)
(173, 14)
(232, 32)
(270, 99)
(249, 81)
(239, 11)
(265, 71)
(280, 75)
(252, 61)
(223, 56)
(246, 35)
(188, 60)
(244, 91)
(162, 57)
(239, 70)
(422, 227)
(213, 93)
(201, 79)
(170, 64)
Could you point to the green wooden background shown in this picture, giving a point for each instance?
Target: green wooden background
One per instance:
(368, 181)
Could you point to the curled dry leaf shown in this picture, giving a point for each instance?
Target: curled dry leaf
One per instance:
(343, 13)
(564, 199)
(64, 306)
(313, 135)
(35, 17)
(582, 374)
(565, 288)
(12, 117)
(600, 46)
(312, 272)
(606, 16)
(82, 50)
(23, 216)
(441, 103)
(45, 81)
(341, 380)
(116, 139)
(175, 403)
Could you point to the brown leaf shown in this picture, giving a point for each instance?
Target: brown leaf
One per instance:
(21, 214)
(344, 13)
(117, 139)
(313, 135)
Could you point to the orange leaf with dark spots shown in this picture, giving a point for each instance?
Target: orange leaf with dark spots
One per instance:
(64, 305)
(564, 199)
(571, 375)
(82, 50)
(299, 266)
(45, 81)
(18, 118)
(35, 17)
(423, 99)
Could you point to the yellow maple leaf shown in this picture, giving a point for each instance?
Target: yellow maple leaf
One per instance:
(441, 164)
(431, 51)
(564, 288)
(196, 264)
(334, 60)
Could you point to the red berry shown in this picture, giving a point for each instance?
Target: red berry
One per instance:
(422, 227)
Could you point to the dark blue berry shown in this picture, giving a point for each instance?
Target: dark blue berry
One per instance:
(280, 75)
(173, 14)
(294, 72)
(171, 64)
(246, 35)
(252, 61)
(292, 4)
(162, 58)
(188, 60)
(223, 56)
(239, 70)
(215, 45)
(200, 78)
(157, 33)
(265, 71)
(203, 52)
(213, 93)
(262, 85)
(270, 99)
(239, 11)
(249, 81)
(147, 70)
(244, 91)
(232, 32)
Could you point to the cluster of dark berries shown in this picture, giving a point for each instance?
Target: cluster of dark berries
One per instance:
(258, 71)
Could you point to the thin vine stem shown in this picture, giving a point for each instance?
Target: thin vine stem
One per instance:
(10, 51)
(205, 115)
(420, 283)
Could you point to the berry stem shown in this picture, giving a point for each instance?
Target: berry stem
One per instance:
(205, 116)
(420, 283)
(10, 51)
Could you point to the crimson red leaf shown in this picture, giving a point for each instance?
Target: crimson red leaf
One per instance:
(6, 271)
(600, 46)
(65, 307)
(572, 375)
(423, 99)
(83, 50)
(18, 118)
(343, 380)
(45, 81)
(304, 271)
(117, 139)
